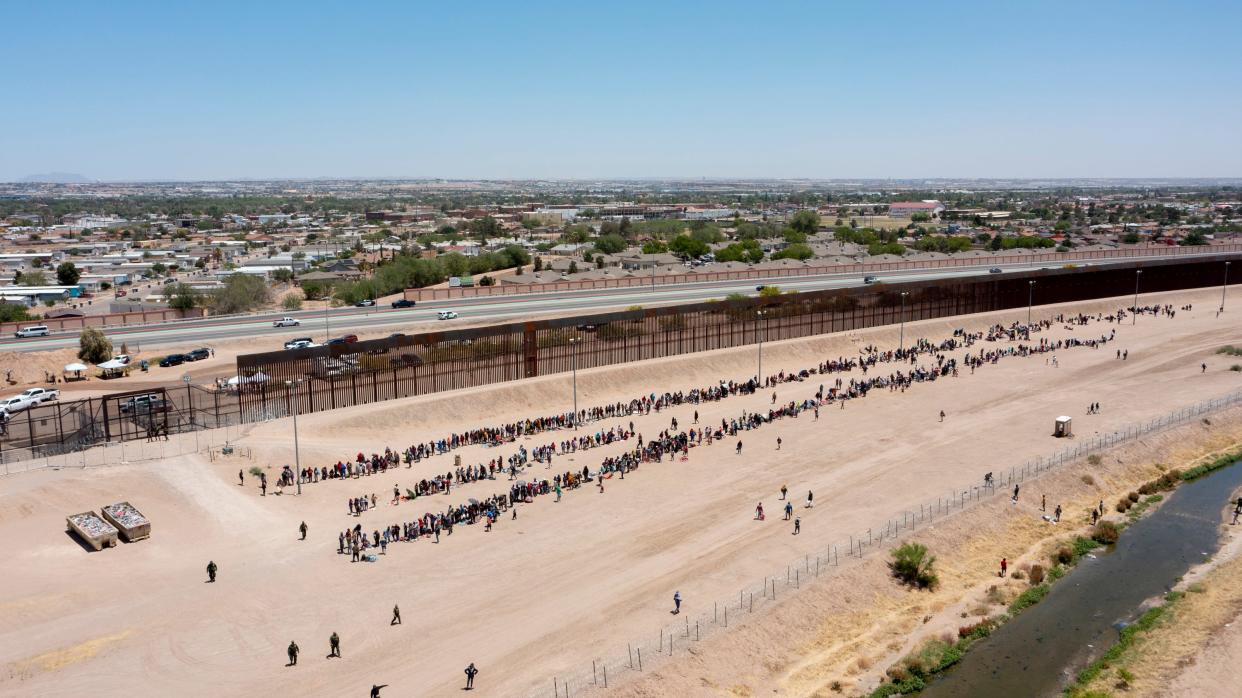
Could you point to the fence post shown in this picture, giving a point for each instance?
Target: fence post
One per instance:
(605, 667)
(594, 680)
(630, 649)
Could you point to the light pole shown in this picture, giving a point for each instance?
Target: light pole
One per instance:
(297, 458)
(1137, 274)
(901, 342)
(574, 342)
(327, 330)
(1030, 295)
(185, 378)
(1223, 285)
(762, 331)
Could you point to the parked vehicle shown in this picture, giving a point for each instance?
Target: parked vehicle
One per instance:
(350, 338)
(760, 287)
(198, 354)
(32, 331)
(446, 314)
(172, 360)
(334, 341)
(299, 342)
(365, 303)
(870, 279)
(403, 303)
(286, 322)
(142, 404)
(14, 404)
(37, 395)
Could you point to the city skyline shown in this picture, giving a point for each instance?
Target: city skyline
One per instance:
(644, 91)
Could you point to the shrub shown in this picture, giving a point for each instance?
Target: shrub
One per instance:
(1088, 480)
(1028, 598)
(1037, 575)
(93, 346)
(1056, 572)
(1064, 555)
(1146, 488)
(1017, 574)
(256, 471)
(913, 565)
(1082, 546)
(977, 631)
(1133, 496)
(1105, 533)
(1094, 459)
(1236, 367)
(293, 301)
(1122, 505)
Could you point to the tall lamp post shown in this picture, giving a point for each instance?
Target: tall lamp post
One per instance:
(1030, 296)
(297, 458)
(1224, 284)
(1138, 273)
(189, 397)
(901, 343)
(327, 330)
(574, 342)
(762, 331)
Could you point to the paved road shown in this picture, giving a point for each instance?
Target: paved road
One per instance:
(500, 309)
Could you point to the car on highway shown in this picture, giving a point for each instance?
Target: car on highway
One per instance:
(198, 354)
(365, 303)
(994, 270)
(299, 342)
(172, 360)
(760, 287)
(37, 395)
(32, 331)
(870, 279)
(403, 303)
(286, 322)
(446, 315)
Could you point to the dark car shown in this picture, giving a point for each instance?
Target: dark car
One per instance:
(403, 303)
(870, 279)
(198, 354)
(364, 303)
(760, 287)
(994, 270)
(172, 360)
(335, 340)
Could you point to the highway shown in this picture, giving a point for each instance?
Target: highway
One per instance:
(474, 310)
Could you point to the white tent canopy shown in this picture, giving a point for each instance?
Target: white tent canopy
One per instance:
(70, 368)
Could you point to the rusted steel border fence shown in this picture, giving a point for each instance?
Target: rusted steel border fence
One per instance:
(343, 375)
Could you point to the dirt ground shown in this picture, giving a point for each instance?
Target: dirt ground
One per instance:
(566, 582)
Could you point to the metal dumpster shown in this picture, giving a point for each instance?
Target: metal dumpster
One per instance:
(132, 524)
(97, 533)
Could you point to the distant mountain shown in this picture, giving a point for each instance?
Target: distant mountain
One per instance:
(57, 178)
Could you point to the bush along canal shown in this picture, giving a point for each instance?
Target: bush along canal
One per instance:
(1056, 630)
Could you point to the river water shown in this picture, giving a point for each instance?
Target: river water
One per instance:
(1037, 653)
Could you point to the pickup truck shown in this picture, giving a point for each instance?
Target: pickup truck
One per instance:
(12, 405)
(37, 395)
(286, 322)
(142, 404)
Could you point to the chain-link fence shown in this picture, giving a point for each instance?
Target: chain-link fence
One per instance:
(675, 639)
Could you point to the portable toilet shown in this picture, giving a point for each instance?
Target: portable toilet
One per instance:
(1064, 427)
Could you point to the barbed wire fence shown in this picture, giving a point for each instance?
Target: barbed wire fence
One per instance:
(677, 638)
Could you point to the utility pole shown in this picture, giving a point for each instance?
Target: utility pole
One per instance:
(1224, 284)
(297, 458)
(574, 342)
(762, 332)
(1030, 295)
(1137, 274)
(901, 343)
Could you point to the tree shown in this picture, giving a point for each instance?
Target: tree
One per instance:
(67, 274)
(13, 313)
(805, 221)
(654, 247)
(795, 251)
(538, 263)
(913, 565)
(284, 276)
(34, 278)
(1195, 238)
(93, 346)
(919, 217)
(573, 267)
(1131, 239)
(610, 244)
(486, 280)
(158, 269)
(687, 247)
(240, 293)
(182, 296)
(292, 301)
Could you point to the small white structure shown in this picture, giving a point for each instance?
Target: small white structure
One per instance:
(1064, 427)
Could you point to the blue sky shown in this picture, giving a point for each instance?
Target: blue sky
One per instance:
(205, 90)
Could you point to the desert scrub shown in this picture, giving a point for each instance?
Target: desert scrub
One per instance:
(914, 566)
(1105, 533)
(1029, 598)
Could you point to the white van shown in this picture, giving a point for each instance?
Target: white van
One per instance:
(446, 314)
(34, 331)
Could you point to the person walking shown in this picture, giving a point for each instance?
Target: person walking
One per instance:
(1004, 567)
(1237, 511)
(293, 653)
(1016, 489)
(241, 478)
(676, 602)
(784, 491)
(759, 512)
(788, 510)
(263, 486)
(396, 615)
(810, 499)
(375, 689)
(1057, 517)
(302, 528)
(471, 672)
(334, 645)
(1203, 368)
(1043, 502)
(797, 526)
(778, 443)
(941, 415)
(739, 446)
(211, 571)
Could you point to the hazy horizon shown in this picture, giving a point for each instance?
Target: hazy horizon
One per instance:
(564, 91)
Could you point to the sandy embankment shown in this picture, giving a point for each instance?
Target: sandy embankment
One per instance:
(572, 581)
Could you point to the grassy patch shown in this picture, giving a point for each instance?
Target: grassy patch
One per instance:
(1129, 635)
(1200, 470)
(1230, 350)
(1029, 598)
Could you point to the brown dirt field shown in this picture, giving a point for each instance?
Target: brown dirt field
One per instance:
(571, 581)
